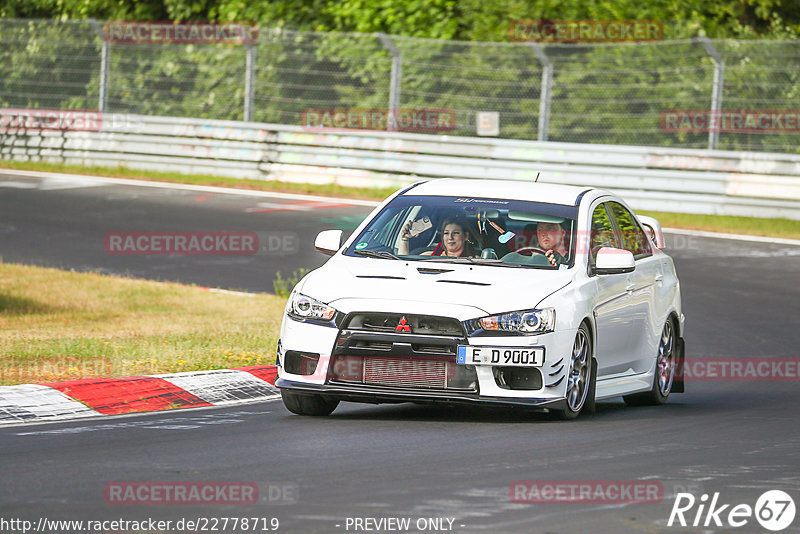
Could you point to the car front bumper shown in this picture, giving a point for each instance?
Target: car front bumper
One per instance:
(384, 394)
(327, 342)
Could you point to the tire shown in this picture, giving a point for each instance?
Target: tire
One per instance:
(664, 374)
(308, 404)
(581, 377)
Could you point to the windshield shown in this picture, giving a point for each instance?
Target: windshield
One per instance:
(476, 230)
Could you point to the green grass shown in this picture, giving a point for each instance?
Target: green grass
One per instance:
(784, 228)
(61, 325)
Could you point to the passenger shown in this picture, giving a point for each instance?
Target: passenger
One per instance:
(455, 240)
(552, 238)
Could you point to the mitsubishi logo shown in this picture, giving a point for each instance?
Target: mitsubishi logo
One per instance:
(403, 326)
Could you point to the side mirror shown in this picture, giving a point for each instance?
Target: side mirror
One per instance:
(614, 261)
(328, 241)
(653, 229)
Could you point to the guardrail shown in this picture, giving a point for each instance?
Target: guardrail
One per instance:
(681, 180)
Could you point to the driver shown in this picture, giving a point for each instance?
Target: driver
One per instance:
(552, 238)
(455, 240)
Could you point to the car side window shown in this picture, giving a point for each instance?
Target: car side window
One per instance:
(602, 231)
(633, 237)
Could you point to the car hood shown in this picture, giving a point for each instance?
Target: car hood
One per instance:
(484, 289)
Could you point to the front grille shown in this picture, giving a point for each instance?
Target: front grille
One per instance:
(403, 373)
(433, 349)
(374, 345)
(416, 324)
(372, 351)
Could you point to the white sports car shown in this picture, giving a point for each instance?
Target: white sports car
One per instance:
(492, 292)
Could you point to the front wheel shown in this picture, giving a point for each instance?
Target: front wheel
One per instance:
(308, 403)
(581, 377)
(664, 375)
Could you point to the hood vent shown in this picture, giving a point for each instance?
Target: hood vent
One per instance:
(464, 282)
(429, 270)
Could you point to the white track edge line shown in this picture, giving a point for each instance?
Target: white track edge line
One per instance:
(188, 187)
(737, 237)
(296, 196)
(133, 414)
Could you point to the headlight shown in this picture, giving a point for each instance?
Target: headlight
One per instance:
(521, 322)
(304, 307)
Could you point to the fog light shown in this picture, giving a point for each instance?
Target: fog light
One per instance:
(521, 378)
(300, 363)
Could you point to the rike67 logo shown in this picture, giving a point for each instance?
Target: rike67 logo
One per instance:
(774, 510)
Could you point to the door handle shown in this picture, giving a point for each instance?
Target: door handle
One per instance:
(659, 277)
(630, 287)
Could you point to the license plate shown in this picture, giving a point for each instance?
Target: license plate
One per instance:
(520, 356)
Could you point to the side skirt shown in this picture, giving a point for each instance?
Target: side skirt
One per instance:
(624, 385)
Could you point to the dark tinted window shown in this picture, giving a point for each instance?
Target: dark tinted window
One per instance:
(490, 231)
(633, 237)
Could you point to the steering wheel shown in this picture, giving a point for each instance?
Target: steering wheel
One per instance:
(530, 251)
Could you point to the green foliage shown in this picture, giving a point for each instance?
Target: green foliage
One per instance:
(283, 286)
(437, 19)
(297, 71)
(469, 20)
(305, 15)
(456, 56)
(47, 65)
(204, 81)
(83, 9)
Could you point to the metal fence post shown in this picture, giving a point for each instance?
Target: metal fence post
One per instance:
(544, 95)
(104, 63)
(716, 92)
(394, 81)
(102, 100)
(249, 82)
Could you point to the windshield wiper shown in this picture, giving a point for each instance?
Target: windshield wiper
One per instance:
(377, 254)
(474, 261)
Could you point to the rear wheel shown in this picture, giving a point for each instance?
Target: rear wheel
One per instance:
(308, 403)
(664, 375)
(581, 376)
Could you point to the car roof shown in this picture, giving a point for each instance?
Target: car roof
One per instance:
(506, 189)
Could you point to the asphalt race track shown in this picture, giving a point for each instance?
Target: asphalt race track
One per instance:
(737, 438)
(63, 223)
